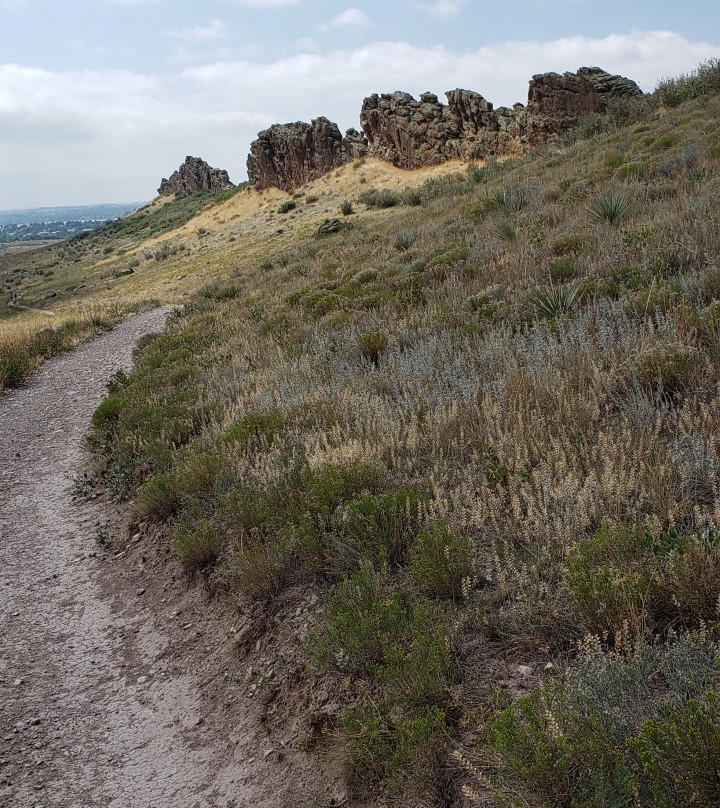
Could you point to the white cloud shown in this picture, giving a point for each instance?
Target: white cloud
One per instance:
(443, 8)
(201, 33)
(265, 3)
(88, 136)
(351, 18)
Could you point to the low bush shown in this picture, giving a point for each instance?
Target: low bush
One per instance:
(441, 562)
(378, 527)
(636, 726)
(384, 198)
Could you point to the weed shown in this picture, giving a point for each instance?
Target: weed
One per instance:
(286, 206)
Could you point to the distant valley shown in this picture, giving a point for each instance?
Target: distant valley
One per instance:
(36, 224)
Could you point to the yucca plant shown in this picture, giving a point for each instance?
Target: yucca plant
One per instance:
(505, 201)
(610, 208)
(506, 230)
(554, 301)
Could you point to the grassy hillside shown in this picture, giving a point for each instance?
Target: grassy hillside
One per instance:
(478, 421)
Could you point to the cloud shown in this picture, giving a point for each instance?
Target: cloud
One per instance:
(201, 33)
(443, 8)
(351, 18)
(264, 3)
(90, 135)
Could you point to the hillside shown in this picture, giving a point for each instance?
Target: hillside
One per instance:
(464, 420)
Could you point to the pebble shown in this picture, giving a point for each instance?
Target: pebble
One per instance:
(19, 682)
(524, 670)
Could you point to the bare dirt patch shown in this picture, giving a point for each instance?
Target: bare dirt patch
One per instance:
(120, 683)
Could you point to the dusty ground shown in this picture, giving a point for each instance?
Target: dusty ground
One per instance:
(121, 684)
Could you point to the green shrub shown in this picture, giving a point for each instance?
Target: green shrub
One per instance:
(669, 371)
(255, 429)
(199, 544)
(378, 528)
(704, 80)
(286, 206)
(372, 346)
(384, 198)
(346, 208)
(404, 752)
(562, 269)
(159, 497)
(607, 580)
(568, 244)
(441, 562)
(334, 484)
(262, 568)
(678, 756)
(629, 727)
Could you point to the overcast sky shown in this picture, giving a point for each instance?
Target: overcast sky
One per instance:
(99, 99)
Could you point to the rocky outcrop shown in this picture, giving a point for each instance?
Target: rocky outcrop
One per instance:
(193, 176)
(556, 103)
(411, 133)
(287, 156)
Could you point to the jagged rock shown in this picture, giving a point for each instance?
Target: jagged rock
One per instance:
(406, 132)
(482, 130)
(287, 156)
(195, 175)
(556, 103)
(411, 133)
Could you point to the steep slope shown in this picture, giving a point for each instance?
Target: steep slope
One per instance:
(478, 420)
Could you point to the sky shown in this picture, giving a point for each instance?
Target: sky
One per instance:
(100, 99)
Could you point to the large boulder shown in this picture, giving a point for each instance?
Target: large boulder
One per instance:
(193, 176)
(288, 155)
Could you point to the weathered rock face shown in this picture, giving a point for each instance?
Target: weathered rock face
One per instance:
(406, 132)
(195, 175)
(411, 133)
(557, 103)
(287, 156)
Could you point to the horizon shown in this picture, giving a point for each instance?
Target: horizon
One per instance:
(103, 99)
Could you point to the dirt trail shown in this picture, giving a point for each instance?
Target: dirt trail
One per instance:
(109, 691)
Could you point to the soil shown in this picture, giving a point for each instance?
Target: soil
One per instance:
(123, 684)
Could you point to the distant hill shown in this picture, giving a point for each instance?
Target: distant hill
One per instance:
(57, 222)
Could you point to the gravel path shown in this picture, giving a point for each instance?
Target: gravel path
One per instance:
(92, 713)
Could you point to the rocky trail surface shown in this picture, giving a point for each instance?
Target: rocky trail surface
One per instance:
(117, 689)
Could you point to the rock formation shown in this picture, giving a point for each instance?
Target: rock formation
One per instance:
(557, 103)
(195, 175)
(411, 133)
(287, 156)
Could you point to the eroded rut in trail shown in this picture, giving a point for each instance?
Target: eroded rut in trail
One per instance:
(109, 673)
